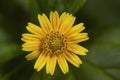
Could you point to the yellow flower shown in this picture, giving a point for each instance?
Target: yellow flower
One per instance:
(55, 42)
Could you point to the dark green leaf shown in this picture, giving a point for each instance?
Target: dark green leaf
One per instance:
(45, 6)
(34, 9)
(115, 72)
(101, 12)
(104, 52)
(7, 50)
(88, 71)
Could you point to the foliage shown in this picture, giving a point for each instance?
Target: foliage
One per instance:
(102, 21)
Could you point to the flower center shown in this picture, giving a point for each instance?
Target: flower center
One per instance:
(54, 42)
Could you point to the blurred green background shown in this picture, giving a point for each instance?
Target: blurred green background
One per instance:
(102, 21)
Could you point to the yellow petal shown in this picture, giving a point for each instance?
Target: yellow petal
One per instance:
(76, 38)
(44, 22)
(51, 64)
(29, 36)
(63, 17)
(67, 24)
(41, 61)
(31, 48)
(72, 58)
(31, 43)
(77, 49)
(54, 19)
(48, 64)
(76, 29)
(33, 55)
(79, 35)
(62, 63)
(48, 24)
(34, 29)
(29, 39)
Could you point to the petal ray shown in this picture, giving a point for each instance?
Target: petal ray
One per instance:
(77, 49)
(44, 22)
(29, 36)
(55, 21)
(31, 48)
(62, 63)
(76, 29)
(77, 38)
(72, 58)
(31, 43)
(32, 55)
(67, 24)
(29, 39)
(41, 61)
(34, 29)
(51, 64)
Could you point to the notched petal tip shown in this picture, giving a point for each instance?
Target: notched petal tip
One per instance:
(39, 16)
(23, 49)
(51, 12)
(56, 12)
(29, 23)
(82, 23)
(23, 34)
(22, 39)
(28, 59)
(38, 70)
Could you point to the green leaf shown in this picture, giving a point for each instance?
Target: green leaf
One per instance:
(88, 71)
(115, 72)
(101, 12)
(36, 76)
(34, 9)
(104, 52)
(70, 76)
(7, 49)
(71, 6)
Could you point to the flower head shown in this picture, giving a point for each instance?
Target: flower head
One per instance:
(56, 41)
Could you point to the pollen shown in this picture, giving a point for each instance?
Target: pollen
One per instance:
(54, 42)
